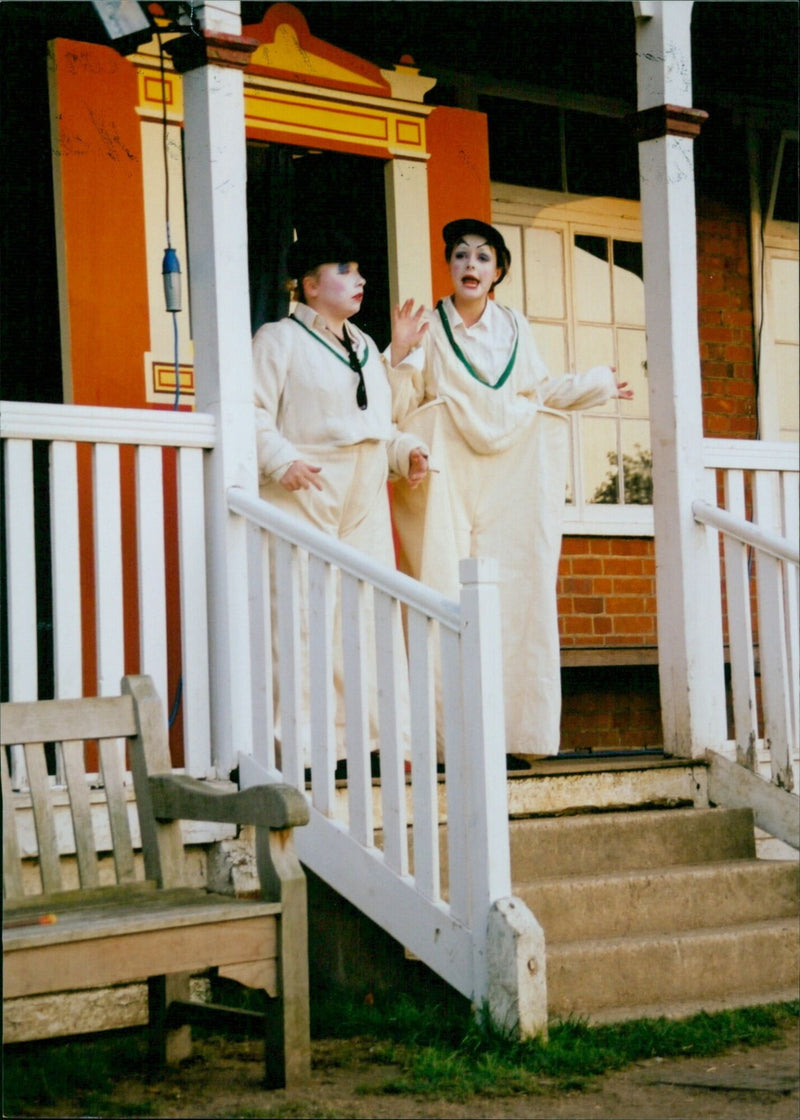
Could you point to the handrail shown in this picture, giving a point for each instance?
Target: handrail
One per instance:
(96, 424)
(348, 559)
(745, 531)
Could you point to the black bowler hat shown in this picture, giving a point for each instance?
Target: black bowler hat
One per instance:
(453, 232)
(320, 247)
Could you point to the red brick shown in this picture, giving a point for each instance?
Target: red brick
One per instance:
(585, 564)
(623, 566)
(588, 605)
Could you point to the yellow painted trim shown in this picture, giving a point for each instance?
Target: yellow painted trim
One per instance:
(150, 97)
(286, 54)
(164, 378)
(287, 109)
(313, 117)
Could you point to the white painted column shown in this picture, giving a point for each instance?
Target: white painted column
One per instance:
(689, 630)
(408, 231)
(212, 64)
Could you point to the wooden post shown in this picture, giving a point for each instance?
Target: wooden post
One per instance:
(689, 640)
(212, 62)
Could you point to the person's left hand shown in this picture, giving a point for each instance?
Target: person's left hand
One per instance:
(417, 467)
(623, 392)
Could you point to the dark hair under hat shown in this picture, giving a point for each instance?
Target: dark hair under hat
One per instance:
(320, 247)
(453, 232)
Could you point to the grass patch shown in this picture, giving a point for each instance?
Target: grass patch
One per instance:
(441, 1050)
(84, 1071)
(489, 1063)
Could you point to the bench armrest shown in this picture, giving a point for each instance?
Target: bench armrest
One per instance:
(179, 797)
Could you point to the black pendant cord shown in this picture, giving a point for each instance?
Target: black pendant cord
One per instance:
(352, 359)
(460, 354)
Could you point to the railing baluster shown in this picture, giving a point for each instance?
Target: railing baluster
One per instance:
(424, 785)
(108, 574)
(65, 550)
(775, 684)
(458, 809)
(740, 629)
(21, 577)
(356, 697)
(394, 730)
(321, 606)
(194, 612)
(258, 566)
(790, 500)
(286, 567)
(150, 554)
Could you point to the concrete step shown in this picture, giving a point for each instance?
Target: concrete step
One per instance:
(619, 977)
(565, 786)
(547, 847)
(631, 903)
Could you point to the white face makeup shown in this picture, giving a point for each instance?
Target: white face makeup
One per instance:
(335, 291)
(473, 269)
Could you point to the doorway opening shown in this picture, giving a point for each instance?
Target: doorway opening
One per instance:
(294, 190)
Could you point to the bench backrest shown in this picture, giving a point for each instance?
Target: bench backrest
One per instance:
(134, 720)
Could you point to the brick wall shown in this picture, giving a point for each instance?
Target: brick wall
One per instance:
(606, 592)
(725, 322)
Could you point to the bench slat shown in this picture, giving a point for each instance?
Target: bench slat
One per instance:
(12, 875)
(74, 766)
(41, 800)
(114, 783)
(53, 720)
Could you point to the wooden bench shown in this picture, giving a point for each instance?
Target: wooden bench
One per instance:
(157, 928)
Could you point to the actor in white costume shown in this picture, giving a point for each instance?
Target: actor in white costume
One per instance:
(468, 381)
(325, 438)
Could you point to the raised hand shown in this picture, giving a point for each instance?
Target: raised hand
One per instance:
(408, 329)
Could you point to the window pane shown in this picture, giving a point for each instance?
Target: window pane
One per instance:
(511, 291)
(632, 367)
(628, 282)
(785, 208)
(551, 340)
(592, 279)
(599, 440)
(788, 371)
(544, 269)
(594, 346)
(637, 463)
(785, 295)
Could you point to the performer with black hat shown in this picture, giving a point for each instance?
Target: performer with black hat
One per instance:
(325, 439)
(467, 379)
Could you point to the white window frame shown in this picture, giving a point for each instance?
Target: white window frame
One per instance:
(780, 241)
(618, 219)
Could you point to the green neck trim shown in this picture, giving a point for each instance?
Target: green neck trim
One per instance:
(459, 353)
(361, 361)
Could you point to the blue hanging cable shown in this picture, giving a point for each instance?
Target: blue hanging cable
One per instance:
(171, 273)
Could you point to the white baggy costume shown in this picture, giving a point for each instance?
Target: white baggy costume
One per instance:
(305, 396)
(482, 400)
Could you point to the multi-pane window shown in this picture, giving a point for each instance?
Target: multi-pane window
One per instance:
(577, 275)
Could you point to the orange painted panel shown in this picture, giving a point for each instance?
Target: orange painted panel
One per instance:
(458, 179)
(100, 168)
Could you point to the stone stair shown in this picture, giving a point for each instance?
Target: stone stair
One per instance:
(649, 909)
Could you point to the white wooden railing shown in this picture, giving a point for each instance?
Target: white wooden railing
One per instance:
(112, 493)
(93, 487)
(379, 846)
(760, 565)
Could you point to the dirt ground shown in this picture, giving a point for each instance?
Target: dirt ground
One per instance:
(223, 1081)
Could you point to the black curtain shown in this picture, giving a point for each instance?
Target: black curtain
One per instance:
(270, 207)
